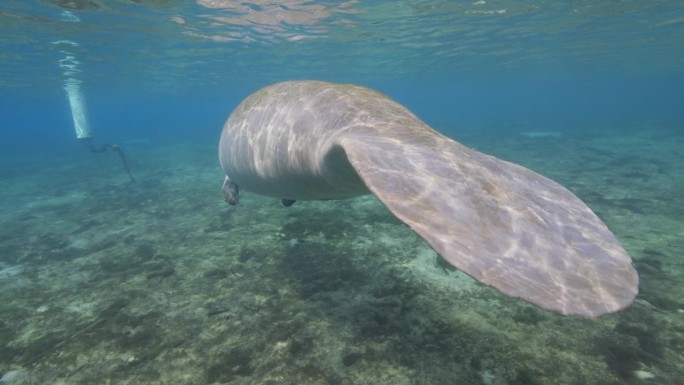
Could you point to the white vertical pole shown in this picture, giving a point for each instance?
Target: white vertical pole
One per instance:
(79, 112)
(72, 85)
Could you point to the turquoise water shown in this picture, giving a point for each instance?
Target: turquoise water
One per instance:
(159, 281)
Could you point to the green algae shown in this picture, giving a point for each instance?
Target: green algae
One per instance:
(160, 282)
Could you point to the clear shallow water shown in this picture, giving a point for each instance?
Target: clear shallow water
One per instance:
(177, 44)
(456, 64)
(160, 281)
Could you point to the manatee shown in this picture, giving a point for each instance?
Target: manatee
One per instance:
(504, 225)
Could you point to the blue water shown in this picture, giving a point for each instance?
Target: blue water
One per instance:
(38, 116)
(590, 94)
(562, 65)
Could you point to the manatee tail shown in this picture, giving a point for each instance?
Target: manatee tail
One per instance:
(500, 223)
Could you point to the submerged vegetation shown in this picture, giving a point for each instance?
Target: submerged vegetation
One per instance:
(161, 282)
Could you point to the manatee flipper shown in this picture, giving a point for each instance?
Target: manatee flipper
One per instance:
(500, 223)
(230, 191)
(287, 202)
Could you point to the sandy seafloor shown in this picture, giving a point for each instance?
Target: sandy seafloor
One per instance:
(161, 282)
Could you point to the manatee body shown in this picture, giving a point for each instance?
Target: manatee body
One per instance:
(501, 223)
